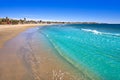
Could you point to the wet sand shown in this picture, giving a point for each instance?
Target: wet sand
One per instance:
(30, 56)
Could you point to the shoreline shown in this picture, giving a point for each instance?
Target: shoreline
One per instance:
(29, 59)
(7, 32)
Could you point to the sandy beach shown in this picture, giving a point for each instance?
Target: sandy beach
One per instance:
(29, 57)
(9, 31)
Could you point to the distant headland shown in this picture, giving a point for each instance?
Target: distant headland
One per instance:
(7, 20)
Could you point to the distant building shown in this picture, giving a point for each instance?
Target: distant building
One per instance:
(7, 20)
(24, 20)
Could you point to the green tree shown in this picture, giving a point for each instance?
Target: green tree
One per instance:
(14, 21)
(3, 20)
(0, 21)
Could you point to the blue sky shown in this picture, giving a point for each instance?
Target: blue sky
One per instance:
(107, 11)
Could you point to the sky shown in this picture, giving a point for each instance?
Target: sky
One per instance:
(103, 11)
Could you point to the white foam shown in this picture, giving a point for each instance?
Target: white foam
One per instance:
(93, 31)
(98, 32)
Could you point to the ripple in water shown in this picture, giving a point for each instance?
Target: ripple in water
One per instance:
(95, 53)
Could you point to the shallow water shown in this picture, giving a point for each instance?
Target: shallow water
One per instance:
(92, 49)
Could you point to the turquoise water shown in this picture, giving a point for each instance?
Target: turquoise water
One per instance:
(92, 49)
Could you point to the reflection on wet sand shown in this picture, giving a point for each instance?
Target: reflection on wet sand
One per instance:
(30, 56)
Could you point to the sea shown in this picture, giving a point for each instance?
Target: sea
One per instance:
(93, 49)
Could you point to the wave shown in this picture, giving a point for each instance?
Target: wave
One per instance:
(93, 31)
(84, 71)
(98, 32)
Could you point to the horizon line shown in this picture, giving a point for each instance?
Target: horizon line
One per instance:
(34, 19)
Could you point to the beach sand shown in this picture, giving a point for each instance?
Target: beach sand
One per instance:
(9, 31)
(30, 56)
